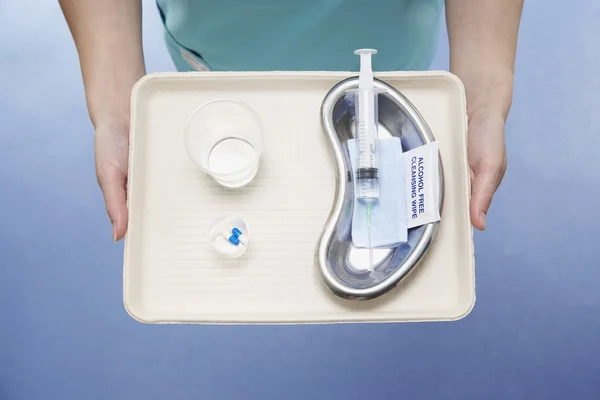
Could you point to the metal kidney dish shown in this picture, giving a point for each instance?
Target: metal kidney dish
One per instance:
(344, 267)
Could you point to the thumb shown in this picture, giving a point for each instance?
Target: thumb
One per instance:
(486, 181)
(112, 182)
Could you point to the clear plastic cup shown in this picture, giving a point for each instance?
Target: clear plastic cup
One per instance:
(224, 139)
(221, 229)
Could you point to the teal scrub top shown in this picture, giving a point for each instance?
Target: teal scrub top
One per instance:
(300, 35)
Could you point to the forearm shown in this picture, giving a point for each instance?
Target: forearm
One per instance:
(108, 37)
(483, 41)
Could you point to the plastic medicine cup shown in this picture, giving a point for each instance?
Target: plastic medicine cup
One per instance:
(222, 227)
(224, 139)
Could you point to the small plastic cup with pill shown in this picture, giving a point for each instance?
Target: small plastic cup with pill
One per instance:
(229, 236)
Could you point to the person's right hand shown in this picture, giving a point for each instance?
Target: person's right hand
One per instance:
(111, 153)
(108, 37)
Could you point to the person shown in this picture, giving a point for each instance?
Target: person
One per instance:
(251, 35)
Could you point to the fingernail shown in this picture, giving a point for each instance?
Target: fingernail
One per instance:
(114, 234)
(482, 220)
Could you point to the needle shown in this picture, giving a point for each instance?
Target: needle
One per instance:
(369, 214)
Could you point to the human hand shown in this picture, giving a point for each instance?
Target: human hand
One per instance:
(487, 160)
(108, 38)
(111, 152)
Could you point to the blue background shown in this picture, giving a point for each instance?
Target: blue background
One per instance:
(534, 332)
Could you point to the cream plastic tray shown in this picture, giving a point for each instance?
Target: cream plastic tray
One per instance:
(171, 274)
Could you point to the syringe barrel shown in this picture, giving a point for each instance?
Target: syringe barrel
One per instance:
(366, 122)
(366, 112)
(367, 189)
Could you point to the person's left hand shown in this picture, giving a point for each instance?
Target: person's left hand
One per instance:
(487, 159)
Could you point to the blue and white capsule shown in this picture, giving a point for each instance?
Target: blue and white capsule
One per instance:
(235, 237)
(241, 237)
(231, 238)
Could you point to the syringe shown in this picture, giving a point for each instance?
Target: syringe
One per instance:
(367, 173)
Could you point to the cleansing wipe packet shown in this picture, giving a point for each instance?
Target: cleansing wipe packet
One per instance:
(422, 184)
